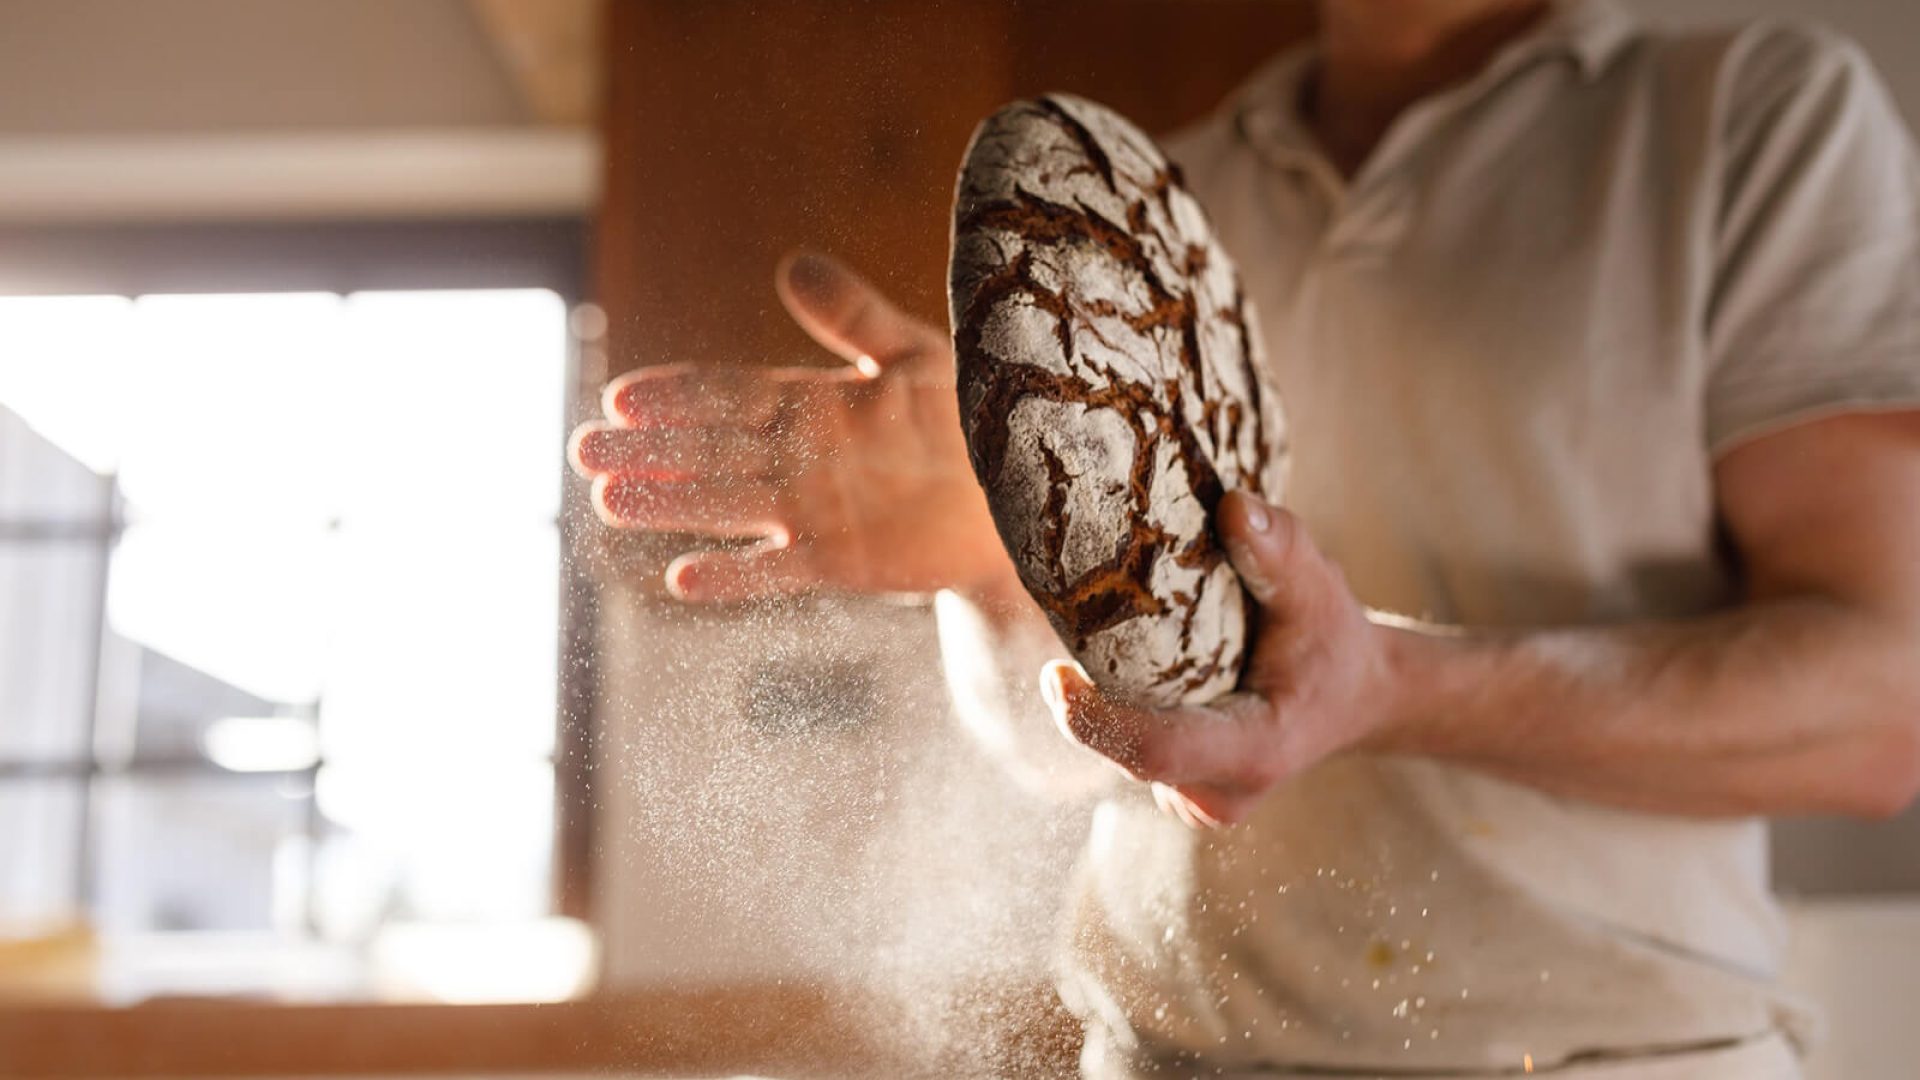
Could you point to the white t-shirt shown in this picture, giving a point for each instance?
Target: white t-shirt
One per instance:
(1509, 351)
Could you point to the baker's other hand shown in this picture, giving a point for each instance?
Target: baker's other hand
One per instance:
(850, 478)
(1318, 680)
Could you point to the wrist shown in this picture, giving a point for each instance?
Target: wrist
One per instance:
(1411, 661)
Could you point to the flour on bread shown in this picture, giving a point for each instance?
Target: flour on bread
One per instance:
(1109, 389)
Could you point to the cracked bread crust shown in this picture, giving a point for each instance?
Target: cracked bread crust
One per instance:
(1109, 390)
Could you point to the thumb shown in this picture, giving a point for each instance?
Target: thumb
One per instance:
(842, 311)
(1267, 547)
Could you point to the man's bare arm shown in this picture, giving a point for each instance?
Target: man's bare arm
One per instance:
(1804, 699)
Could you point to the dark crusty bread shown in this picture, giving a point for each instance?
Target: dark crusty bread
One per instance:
(1110, 392)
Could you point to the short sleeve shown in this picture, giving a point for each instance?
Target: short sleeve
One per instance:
(1814, 306)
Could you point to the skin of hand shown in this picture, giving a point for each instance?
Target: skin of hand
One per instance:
(1804, 698)
(853, 478)
(1317, 681)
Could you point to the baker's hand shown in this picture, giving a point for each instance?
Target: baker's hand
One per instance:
(852, 478)
(1317, 682)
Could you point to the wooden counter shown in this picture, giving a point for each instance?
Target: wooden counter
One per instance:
(770, 1029)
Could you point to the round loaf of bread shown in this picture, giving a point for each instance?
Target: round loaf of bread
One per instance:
(1110, 392)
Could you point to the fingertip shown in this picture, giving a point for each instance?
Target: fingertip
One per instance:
(808, 276)
(600, 496)
(1207, 813)
(1050, 686)
(1247, 514)
(783, 266)
(683, 578)
(1055, 678)
(1257, 536)
(1066, 683)
(1071, 677)
(573, 450)
(1087, 717)
(1162, 796)
(614, 395)
(1191, 813)
(578, 452)
(1171, 804)
(788, 265)
(624, 399)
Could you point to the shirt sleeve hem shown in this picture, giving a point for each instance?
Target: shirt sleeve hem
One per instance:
(1766, 408)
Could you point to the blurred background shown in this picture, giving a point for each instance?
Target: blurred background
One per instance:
(335, 738)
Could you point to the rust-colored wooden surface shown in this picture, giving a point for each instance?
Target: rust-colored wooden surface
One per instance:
(1164, 63)
(736, 131)
(784, 1030)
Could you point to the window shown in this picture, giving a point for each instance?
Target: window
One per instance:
(281, 617)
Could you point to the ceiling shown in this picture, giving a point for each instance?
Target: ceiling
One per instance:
(196, 110)
(98, 67)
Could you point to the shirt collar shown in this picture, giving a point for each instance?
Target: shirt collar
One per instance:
(1590, 32)
(1593, 31)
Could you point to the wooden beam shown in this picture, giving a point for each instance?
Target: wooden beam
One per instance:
(551, 48)
(736, 131)
(304, 176)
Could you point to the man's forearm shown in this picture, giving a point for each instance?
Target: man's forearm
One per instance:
(1787, 706)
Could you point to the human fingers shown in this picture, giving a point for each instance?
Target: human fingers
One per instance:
(1271, 552)
(761, 400)
(842, 311)
(727, 576)
(668, 451)
(1088, 718)
(1216, 806)
(1174, 805)
(733, 509)
(691, 395)
(1220, 743)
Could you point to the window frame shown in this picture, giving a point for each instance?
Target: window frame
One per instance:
(343, 257)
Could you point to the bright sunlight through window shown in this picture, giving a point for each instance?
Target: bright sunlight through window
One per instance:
(279, 615)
